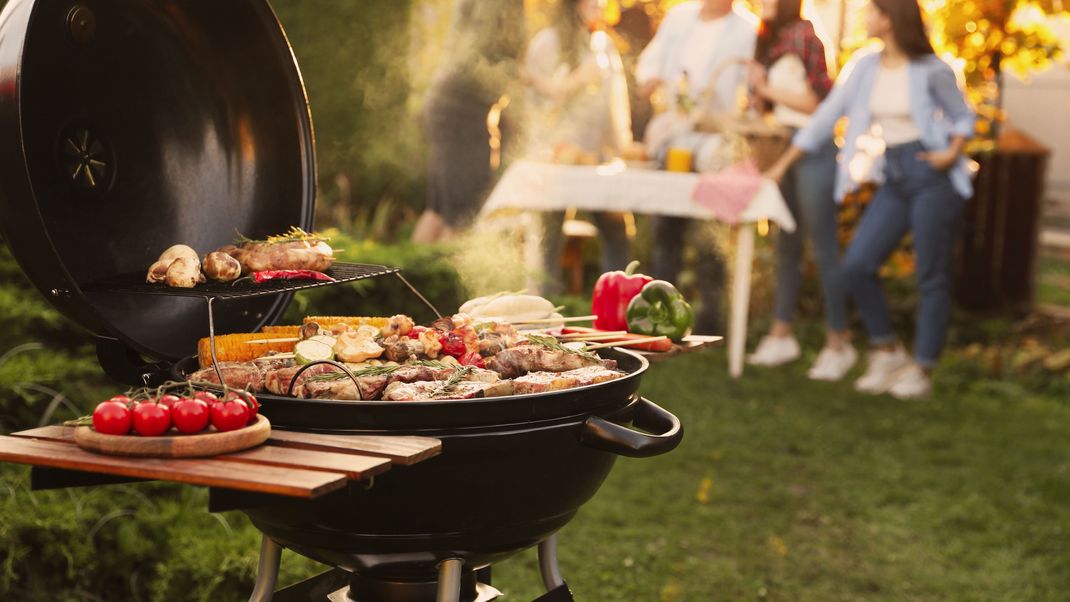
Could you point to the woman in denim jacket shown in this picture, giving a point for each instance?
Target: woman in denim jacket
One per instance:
(788, 78)
(907, 125)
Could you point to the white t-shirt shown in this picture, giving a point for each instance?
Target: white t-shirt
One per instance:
(699, 47)
(890, 106)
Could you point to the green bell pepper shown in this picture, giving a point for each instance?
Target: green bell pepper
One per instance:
(660, 310)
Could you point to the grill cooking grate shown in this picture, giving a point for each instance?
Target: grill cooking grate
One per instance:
(135, 284)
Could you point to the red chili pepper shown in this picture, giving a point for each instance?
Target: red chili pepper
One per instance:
(612, 292)
(266, 275)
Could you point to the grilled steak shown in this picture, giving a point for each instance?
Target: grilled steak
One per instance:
(541, 382)
(343, 388)
(435, 389)
(278, 381)
(239, 375)
(522, 359)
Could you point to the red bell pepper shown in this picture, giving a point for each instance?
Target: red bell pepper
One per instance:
(612, 292)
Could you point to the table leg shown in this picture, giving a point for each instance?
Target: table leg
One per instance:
(532, 229)
(267, 572)
(741, 276)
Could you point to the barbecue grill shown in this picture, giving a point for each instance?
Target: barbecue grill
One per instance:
(130, 125)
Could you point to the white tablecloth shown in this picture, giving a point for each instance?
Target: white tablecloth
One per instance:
(547, 187)
(614, 187)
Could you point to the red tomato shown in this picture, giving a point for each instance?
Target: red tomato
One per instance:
(112, 418)
(151, 419)
(190, 415)
(123, 399)
(206, 396)
(248, 399)
(168, 400)
(229, 415)
(472, 359)
(415, 332)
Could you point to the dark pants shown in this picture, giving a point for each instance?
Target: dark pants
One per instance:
(917, 199)
(612, 236)
(670, 235)
(458, 169)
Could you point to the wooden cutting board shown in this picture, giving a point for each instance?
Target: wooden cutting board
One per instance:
(200, 445)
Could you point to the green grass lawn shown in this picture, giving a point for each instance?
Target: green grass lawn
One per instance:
(1053, 281)
(786, 489)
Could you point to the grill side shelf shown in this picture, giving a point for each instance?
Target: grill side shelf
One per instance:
(134, 283)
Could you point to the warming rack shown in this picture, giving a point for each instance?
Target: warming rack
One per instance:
(341, 272)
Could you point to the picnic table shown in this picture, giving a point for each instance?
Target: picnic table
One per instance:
(535, 186)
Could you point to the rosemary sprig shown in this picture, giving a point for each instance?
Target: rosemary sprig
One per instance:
(294, 234)
(369, 371)
(372, 371)
(458, 375)
(551, 343)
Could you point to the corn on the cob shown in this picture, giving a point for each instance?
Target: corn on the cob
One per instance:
(325, 322)
(281, 331)
(235, 347)
(354, 321)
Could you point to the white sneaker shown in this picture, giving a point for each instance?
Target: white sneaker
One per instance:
(774, 351)
(832, 364)
(882, 370)
(911, 383)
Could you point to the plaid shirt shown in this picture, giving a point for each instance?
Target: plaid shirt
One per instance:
(801, 40)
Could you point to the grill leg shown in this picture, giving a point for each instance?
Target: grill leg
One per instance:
(449, 580)
(267, 571)
(551, 571)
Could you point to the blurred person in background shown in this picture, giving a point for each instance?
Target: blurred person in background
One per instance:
(698, 46)
(479, 66)
(905, 102)
(578, 112)
(788, 77)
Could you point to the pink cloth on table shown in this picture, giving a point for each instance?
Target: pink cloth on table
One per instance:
(727, 193)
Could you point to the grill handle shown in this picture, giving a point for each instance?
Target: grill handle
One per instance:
(665, 432)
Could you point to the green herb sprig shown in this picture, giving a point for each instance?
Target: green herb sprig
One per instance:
(294, 234)
(458, 375)
(551, 343)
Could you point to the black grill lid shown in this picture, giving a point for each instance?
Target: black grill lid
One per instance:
(130, 125)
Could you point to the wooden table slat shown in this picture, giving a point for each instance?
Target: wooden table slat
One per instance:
(354, 466)
(54, 432)
(276, 480)
(399, 449)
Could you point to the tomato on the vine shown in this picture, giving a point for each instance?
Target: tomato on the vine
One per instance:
(112, 418)
(168, 400)
(206, 396)
(151, 419)
(190, 415)
(248, 399)
(230, 415)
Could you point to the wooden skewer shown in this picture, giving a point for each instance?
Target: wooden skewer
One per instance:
(593, 333)
(556, 320)
(625, 343)
(589, 337)
(279, 340)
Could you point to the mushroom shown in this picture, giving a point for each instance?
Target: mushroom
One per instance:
(184, 273)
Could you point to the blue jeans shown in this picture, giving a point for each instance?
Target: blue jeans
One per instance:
(918, 199)
(808, 192)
